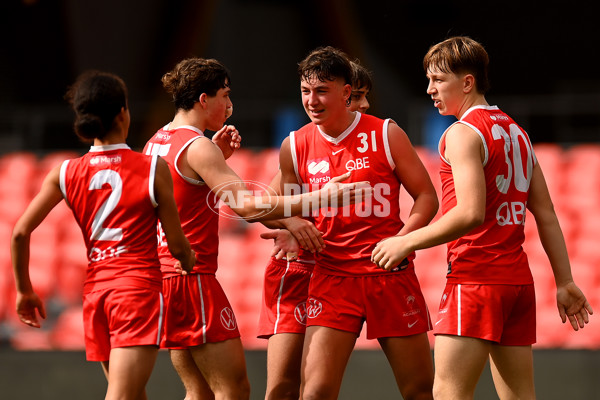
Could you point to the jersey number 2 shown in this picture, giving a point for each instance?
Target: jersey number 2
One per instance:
(113, 179)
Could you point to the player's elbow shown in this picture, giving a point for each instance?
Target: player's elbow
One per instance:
(472, 218)
(19, 235)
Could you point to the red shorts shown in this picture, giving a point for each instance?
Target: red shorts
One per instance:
(121, 317)
(196, 312)
(500, 313)
(284, 298)
(391, 304)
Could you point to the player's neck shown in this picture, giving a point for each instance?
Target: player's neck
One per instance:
(115, 136)
(470, 102)
(189, 118)
(334, 127)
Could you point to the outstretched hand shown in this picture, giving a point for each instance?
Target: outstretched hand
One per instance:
(350, 193)
(573, 305)
(27, 304)
(227, 139)
(284, 244)
(305, 232)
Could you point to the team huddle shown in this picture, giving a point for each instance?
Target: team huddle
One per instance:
(341, 250)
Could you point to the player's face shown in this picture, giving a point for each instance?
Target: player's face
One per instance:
(324, 101)
(359, 101)
(219, 108)
(446, 91)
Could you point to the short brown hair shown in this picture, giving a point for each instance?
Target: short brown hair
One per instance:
(460, 55)
(326, 64)
(192, 77)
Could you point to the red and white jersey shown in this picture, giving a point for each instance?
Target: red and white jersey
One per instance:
(198, 211)
(111, 193)
(492, 253)
(350, 233)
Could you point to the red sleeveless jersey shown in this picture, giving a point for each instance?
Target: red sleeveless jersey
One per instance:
(351, 232)
(111, 193)
(198, 211)
(492, 253)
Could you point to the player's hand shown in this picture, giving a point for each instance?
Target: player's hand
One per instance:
(573, 305)
(391, 253)
(284, 244)
(189, 265)
(349, 193)
(27, 304)
(228, 139)
(305, 232)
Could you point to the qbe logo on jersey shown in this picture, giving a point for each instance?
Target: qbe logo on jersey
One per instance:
(318, 171)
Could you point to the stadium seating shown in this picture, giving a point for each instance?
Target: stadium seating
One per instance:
(58, 261)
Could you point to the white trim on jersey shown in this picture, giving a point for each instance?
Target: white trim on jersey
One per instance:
(62, 180)
(443, 140)
(480, 106)
(338, 140)
(151, 180)
(386, 144)
(294, 156)
(166, 128)
(485, 146)
(176, 162)
(109, 147)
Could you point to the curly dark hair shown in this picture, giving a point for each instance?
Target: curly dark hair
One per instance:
(192, 77)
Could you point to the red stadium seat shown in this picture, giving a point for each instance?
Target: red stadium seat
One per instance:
(68, 331)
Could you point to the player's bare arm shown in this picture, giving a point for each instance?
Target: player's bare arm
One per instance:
(414, 177)
(48, 197)
(571, 302)
(464, 152)
(305, 232)
(207, 161)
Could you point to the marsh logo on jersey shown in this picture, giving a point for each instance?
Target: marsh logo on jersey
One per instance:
(318, 171)
(498, 117)
(97, 160)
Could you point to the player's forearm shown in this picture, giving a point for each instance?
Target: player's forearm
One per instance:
(554, 245)
(449, 227)
(20, 260)
(424, 209)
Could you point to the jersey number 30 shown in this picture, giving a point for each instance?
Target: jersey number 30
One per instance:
(512, 145)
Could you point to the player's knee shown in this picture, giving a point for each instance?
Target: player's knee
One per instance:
(417, 390)
(287, 390)
(243, 392)
(442, 391)
(318, 392)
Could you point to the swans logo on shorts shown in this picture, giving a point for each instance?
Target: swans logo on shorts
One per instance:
(228, 319)
(412, 308)
(318, 171)
(300, 313)
(314, 308)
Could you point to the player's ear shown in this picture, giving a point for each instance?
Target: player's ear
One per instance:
(202, 99)
(468, 83)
